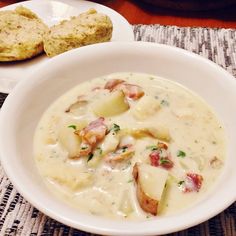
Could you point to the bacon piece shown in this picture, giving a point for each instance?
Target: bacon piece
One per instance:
(91, 135)
(162, 146)
(192, 183)
(161, 157)
(157, 160)
(154, 158)
(94, 132)
(131, 91)
(111, 84)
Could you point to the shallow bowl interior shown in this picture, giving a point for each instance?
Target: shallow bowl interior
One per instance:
(26, 104)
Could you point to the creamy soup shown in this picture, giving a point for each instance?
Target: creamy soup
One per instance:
(129, 146)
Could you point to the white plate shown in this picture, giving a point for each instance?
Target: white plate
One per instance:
(52, 12)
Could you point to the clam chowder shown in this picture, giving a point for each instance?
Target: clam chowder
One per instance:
(130, 146)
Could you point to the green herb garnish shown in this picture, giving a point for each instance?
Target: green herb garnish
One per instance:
(90, 156)
(115, 128)
(99, 150)
(181, 153)
(72, 126)
(152, 147)
(164, 161)
(164, 102)
(180, 183)
(130, 181)
(124, 149)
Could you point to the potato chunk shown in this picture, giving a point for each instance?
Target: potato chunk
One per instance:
(69, 141)
(67, 175)
(145, 107)
(114, 104)
(160, 132)
(110, 143)
(126, 205)
(67, 137)
(150, 186)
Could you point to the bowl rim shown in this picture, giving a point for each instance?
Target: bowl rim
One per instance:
(196, 219)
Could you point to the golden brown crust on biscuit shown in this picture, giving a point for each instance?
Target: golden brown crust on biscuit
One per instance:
(87, 28)
(21, 34)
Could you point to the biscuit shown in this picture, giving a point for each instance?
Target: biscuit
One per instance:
(21, 34)
(87, 28)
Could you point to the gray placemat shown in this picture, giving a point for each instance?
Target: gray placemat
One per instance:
(18, 217)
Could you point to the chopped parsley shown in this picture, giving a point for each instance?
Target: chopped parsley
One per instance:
(152, 147)
(180, 183)
(90, 156)
(115, 128)
(164, 161)
(124, 149)
(84, 148)
(99, 150)
(164, 102)
(72, 126)
(181, 153)
(130, 181)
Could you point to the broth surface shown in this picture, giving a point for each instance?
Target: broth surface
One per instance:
(153, 112)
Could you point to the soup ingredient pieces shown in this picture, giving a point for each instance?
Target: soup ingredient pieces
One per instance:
(158, 132)
(160, 156)
(216, 163)
(146, 107)
(126, 205)
(150, 184)
(131, 91)
(115, 128)
(181, 153)
(88, 28)
(21, 34)
(121, 154)
(77, 108)
(191, 183)
(113, 104)
(111, 84)
(72, 126)
(69, 141)
(91, 136)
(110, 143)
(68, 176)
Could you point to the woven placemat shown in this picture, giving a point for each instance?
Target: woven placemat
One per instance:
(18, 217)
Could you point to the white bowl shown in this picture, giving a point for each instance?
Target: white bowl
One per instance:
(26, 104)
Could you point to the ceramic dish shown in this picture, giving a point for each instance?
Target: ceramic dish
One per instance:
(25, 105)
(52, 12)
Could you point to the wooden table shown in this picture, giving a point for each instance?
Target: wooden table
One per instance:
(138, 13)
